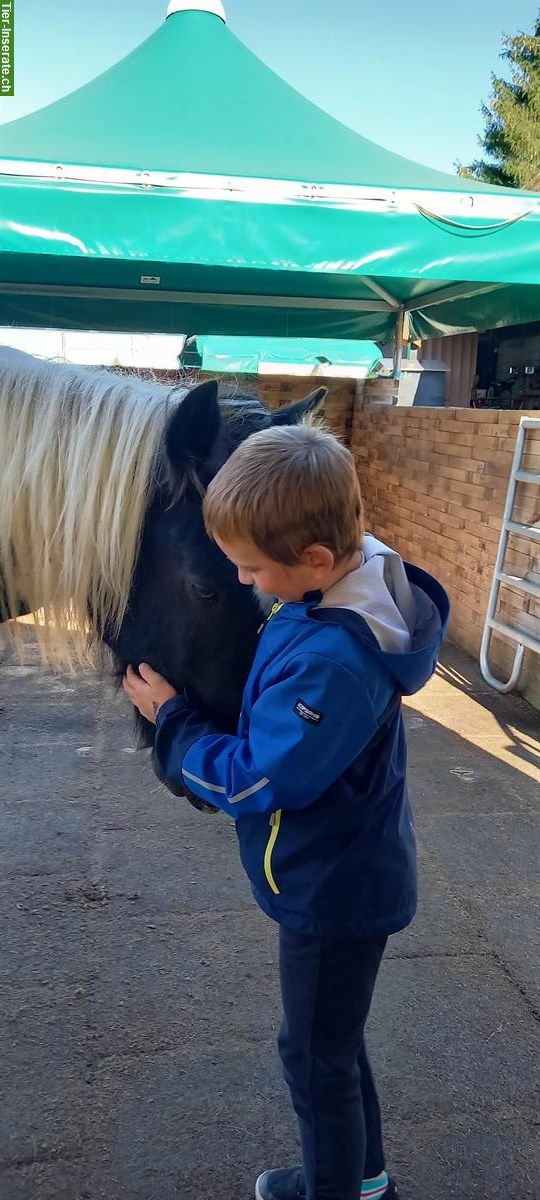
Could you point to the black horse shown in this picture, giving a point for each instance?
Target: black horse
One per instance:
(184, 610)
(188, 615)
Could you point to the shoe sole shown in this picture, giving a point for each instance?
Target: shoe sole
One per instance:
(394, 1195)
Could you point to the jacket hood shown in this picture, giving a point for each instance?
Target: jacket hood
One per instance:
(403, 612)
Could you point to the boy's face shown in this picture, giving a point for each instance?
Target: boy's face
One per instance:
(289, 584)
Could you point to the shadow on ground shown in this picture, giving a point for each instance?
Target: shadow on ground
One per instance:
(138, 992)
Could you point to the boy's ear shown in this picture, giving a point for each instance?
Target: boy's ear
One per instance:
(318, 558)
(292, 414)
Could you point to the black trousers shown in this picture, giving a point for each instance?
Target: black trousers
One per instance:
(327, 985)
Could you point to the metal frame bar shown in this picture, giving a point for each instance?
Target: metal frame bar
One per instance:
(218, 298)
(398, 345)
(461, 291)
(524, 640)
(377, 288)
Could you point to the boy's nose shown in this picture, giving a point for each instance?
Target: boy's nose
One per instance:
(245, 577)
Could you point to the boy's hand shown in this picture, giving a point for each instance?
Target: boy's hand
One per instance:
(147, 691)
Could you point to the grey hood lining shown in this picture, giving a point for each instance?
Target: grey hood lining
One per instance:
(379, 591)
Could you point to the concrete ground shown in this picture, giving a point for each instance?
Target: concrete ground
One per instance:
(138, 994)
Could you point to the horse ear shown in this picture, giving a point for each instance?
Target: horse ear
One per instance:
(193, 430)
(292, 414)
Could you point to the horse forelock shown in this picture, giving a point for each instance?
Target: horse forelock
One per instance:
(78, 455)
(244, 410)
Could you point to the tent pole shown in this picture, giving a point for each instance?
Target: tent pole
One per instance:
(398, 348)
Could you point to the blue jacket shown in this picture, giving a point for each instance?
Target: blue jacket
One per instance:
(315, 778)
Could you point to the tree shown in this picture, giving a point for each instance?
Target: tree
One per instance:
(511, 138)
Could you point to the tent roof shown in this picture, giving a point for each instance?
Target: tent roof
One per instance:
(193, 98)
(189, 187)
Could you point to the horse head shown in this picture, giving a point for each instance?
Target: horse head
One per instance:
(188, 616)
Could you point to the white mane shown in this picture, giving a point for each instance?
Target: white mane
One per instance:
(78, 451)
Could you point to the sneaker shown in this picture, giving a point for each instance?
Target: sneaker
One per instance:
(288, 1184)
(391, 1192)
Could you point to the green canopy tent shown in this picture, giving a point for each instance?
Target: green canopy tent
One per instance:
(260, 355)
(190, 188)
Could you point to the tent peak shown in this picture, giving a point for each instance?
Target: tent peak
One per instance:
(209, 6)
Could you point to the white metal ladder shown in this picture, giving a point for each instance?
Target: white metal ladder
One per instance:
(525, 641)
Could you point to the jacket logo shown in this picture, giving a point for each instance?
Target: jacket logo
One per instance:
(304, 711)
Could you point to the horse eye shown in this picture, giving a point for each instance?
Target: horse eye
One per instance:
(204, 592)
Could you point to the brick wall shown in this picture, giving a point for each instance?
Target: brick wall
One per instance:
(337, 410)
(434, 483)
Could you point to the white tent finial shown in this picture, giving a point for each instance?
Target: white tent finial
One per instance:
(209, 6)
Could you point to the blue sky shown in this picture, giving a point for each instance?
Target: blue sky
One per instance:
(410, 75)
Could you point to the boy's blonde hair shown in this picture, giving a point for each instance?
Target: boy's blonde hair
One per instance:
(287, 488)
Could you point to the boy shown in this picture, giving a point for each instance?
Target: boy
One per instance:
(315, 778)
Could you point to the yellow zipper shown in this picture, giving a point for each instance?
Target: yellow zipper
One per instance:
(275, 822)
(274, 609)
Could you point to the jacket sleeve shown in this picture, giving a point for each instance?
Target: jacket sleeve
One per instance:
(304, 730)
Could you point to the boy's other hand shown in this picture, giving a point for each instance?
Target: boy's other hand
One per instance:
(147, 690)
